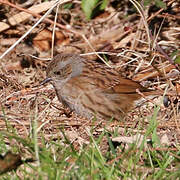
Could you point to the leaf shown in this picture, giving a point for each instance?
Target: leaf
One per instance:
(9, 162)
(177, 60)
(176, 56)
(88, 6)
(104, 4)
(160, 4)
(174, 53)
(68, 6)
(147, 2)
(91, 6)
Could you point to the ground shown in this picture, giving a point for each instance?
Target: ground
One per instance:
(29, 110)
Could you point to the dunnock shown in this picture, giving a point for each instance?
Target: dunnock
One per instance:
(90, 88)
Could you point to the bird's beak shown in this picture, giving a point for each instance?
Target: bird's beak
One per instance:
(45, 81)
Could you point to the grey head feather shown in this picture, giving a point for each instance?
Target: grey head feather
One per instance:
(75, 61)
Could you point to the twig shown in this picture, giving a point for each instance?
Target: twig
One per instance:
(24, 35)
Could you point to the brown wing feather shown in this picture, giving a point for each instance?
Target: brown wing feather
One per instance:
(109, 80)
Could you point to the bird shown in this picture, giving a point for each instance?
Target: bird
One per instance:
(92, 89)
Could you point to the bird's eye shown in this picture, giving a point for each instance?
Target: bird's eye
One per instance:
(57, 72)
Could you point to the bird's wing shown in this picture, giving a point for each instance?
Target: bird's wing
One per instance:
(125, 86)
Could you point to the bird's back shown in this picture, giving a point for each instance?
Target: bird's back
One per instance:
(100, 90)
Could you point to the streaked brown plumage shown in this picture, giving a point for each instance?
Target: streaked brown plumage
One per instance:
(90, 88)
